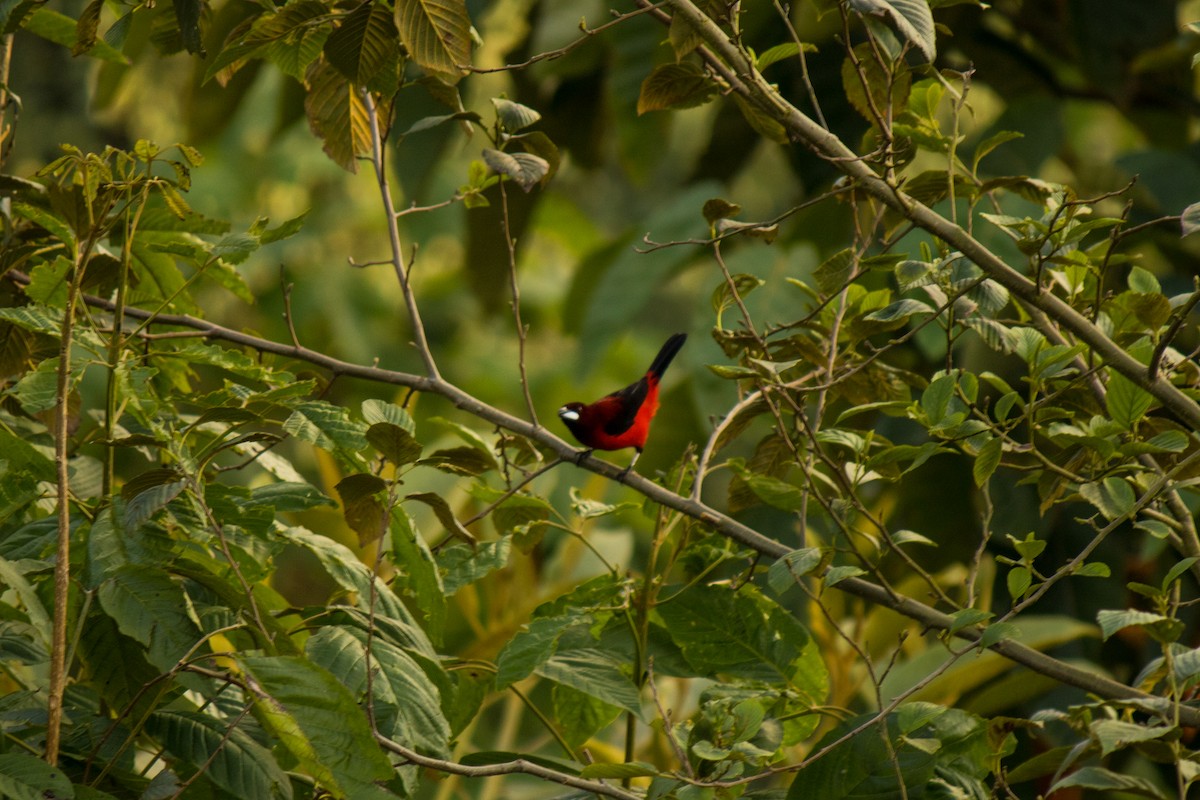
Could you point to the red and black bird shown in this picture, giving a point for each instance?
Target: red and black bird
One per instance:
(622, 419)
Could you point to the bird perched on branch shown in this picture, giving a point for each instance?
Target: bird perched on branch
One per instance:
(622, 419)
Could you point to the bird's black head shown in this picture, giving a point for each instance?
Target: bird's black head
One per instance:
(571, 414)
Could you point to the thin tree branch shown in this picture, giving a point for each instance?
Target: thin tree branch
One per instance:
(721, 523)
(516, 767)
(402, 270)
(751, 86)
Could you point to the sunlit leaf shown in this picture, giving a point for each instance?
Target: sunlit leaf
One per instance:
(436, 33)
(364, 42)
(337, 115)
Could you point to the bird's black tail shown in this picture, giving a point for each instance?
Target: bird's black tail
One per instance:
(666, 354)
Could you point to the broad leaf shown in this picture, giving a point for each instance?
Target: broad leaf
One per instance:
(319, 721)
(437, 34)
(338, 115)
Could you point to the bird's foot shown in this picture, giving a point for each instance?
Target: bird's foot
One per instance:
(581, 455)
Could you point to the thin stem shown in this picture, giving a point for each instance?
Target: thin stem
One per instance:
(515, 289)
(727, 526)
(403, 271)
(62, 554)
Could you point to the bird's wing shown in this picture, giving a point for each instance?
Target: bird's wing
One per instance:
(628, 402)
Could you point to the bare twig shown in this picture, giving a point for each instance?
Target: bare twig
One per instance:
(514, 287)
(517, 766)
(402, 270)
(723, 524)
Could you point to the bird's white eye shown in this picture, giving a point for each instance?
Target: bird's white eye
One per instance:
(569, 414)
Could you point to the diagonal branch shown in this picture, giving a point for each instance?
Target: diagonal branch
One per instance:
(403, 271)
(755, 90)
(717, 521)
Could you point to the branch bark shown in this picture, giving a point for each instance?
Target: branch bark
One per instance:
(754, 89)
(727, 526)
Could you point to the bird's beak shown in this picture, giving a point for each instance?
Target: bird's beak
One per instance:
(568, 414)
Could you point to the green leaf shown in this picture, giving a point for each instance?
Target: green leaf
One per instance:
(363, 44)
(149, 492)
(150, 607)
(1126, 402)
(376, 411)
(744, 635)
(899, 311)
(880, 101)
(1105, 780)
(49, 281)
(1142, 280)
(763, 122)
(285, 496)
(284, 230)
(419, 575)
(987, 459)
(912, 19)
(580, 716)
(13, 577)
(596, 673)
(683, 85)
(1156, 528)
(466, 460)
(394, 443)
(966, 618)
(408, 706)
(991, 143)
(37, 391)
(1114, 497)
(437, 34)
(525, 168)
(1018, 580)
(532, 647)
(1178, 569)
(928, 746)
(513, 116)
(337, 115)
(787, 571)
(444, 514)
(318, 720)
(835, 271)
(362, 508)
(997, 632)
(20, 457)
(354, 576)
(228, 755)
(327, 426)
(1112, 734)
(1163, 629)
(1094, 569)
(27, 777)
(835, 575)
(586, 508)
(781, 52)
(461, 565)
(718, 208)
(62, 30)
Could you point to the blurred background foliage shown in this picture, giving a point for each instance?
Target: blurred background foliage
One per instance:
(1102, 91)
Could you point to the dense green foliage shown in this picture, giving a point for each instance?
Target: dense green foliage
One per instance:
(284, 509)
